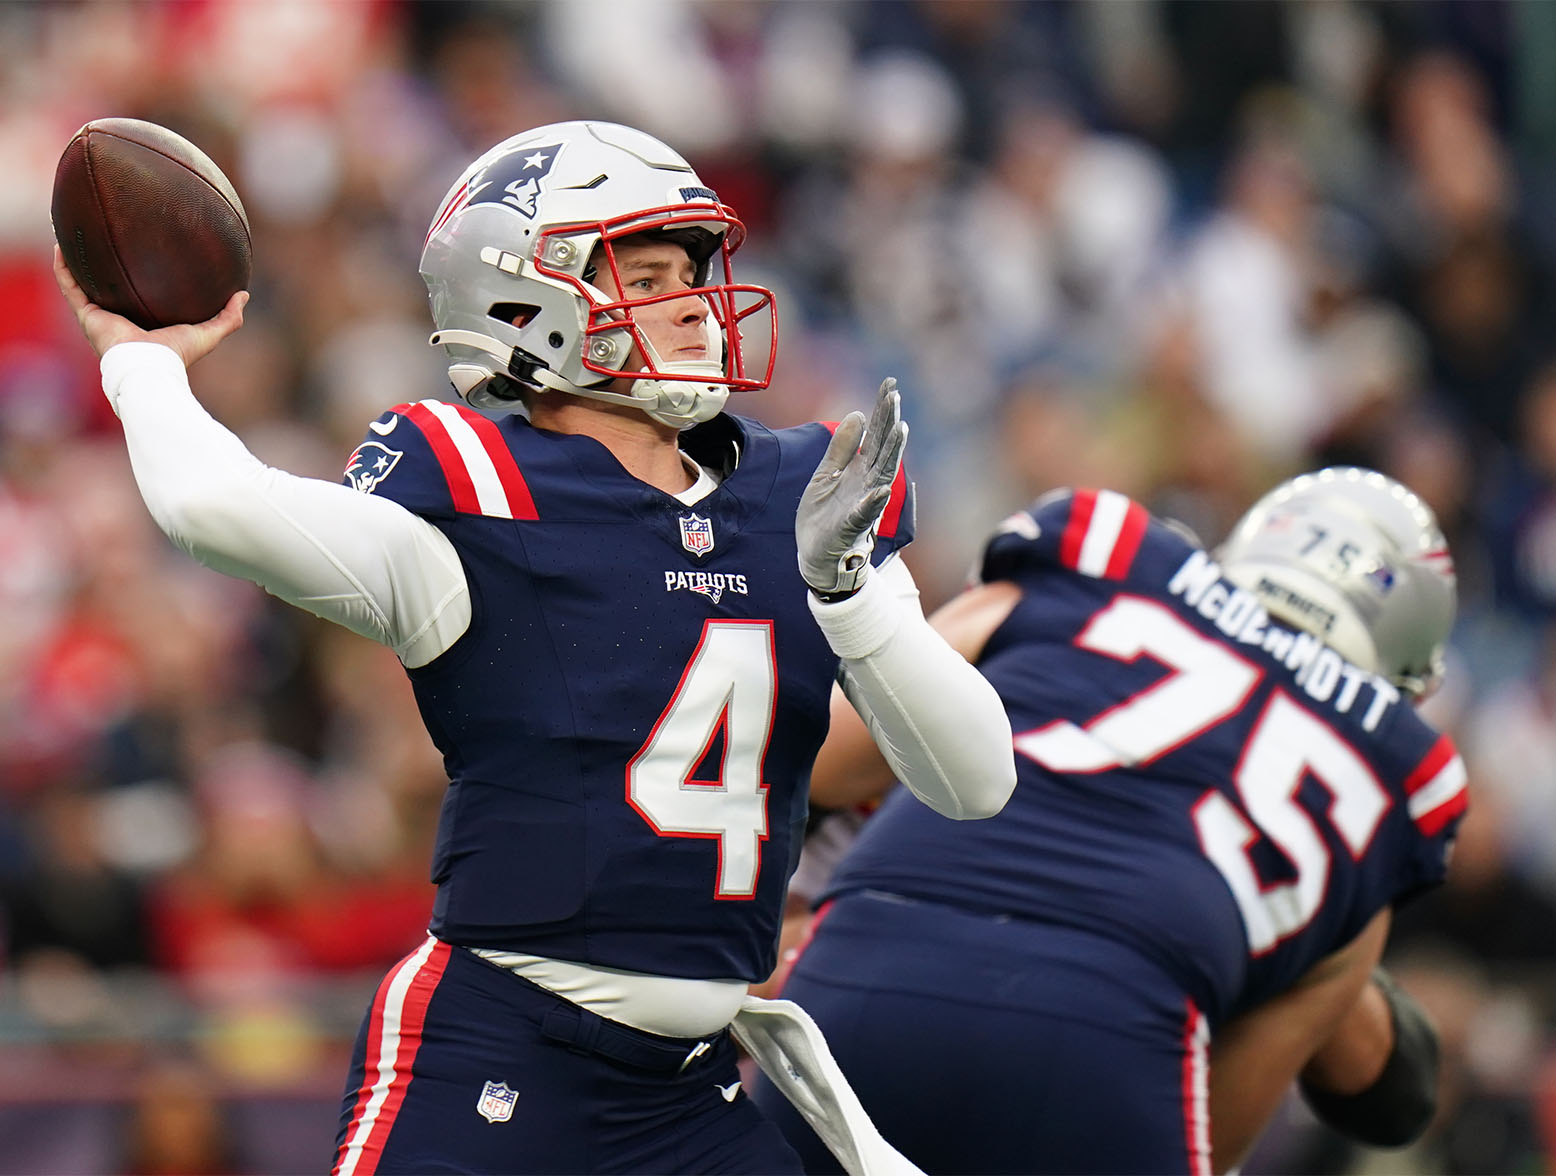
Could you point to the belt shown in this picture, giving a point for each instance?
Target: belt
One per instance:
(589, 1033)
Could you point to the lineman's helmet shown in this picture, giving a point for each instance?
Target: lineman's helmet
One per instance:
(1353, 557)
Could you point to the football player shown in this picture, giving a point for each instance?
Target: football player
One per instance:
(622, 612)
(1223, 790)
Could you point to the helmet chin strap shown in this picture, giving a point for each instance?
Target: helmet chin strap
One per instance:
(682, 403)
(677, 403)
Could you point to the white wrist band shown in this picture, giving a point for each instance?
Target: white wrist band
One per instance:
(861, 624)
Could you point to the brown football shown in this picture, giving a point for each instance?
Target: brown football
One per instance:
(149, 226)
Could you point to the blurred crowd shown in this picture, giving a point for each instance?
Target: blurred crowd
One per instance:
(1181, 249)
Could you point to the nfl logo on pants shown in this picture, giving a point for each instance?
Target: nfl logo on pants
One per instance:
(496, 1102)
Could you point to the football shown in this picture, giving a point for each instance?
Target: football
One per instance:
(149, 226)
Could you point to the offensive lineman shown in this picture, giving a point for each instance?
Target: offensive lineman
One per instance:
(622, 619)
(1223, 789)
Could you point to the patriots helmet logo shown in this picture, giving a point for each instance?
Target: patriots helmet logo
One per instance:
(515, 180)
(370, 463)
(1382, 578)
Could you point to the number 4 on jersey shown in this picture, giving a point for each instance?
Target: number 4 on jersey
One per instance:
(730, 682)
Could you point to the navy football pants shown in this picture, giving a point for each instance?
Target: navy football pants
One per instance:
(983, 1045)
(461, 1066)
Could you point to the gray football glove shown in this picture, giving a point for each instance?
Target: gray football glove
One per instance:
(841, 507)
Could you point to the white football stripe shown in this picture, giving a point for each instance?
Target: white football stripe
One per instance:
(1064, 747)
(1440, 789)
(489, 491)
(388, 1052)
(1107, 520)
(1199, 1107)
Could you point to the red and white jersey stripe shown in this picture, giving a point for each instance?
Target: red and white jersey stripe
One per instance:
(1437, 788)
(1196, 1090)
(394, 1036)
(891, 513)
(1103, 534)
(482, 476)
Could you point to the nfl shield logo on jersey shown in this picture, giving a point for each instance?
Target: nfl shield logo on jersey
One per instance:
(496, 1102)
(696, 534)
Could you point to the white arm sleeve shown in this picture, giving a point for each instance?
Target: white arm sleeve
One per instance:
(366, 563)
(936, 719)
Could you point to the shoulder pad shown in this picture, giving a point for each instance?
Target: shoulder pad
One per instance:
(1430, 786)
(439, 459)
(1436, 792)
(1094, 532)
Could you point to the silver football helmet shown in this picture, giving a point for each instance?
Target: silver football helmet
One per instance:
(1353, 557)
(523, 235)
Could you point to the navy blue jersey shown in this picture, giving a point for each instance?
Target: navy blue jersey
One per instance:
(630, 720)
(1228, 795)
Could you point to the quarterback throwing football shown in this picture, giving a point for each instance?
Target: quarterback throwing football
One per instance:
(622, 615)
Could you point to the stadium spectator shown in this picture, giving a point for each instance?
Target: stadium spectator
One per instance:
(176, 1125)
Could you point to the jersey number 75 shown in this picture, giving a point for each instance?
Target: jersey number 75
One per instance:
(1208, 683)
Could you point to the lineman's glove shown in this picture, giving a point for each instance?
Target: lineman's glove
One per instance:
(841, 507)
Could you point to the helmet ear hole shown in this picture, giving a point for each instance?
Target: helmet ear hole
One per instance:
(516, 314)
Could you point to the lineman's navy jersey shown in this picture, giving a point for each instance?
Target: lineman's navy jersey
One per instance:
(629, 722)
(1194, 778)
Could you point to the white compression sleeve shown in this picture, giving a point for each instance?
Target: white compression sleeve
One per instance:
(364, 562)
(935, 718)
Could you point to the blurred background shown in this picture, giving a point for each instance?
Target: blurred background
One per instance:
(1182, 249)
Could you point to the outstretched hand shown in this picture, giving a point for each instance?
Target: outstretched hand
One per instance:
(841, 507)
(103, 328)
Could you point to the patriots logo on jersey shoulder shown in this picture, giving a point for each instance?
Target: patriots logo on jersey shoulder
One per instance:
(496, 1102)
(370, 463)
(696, 534)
